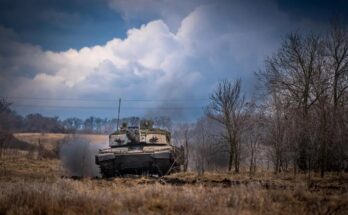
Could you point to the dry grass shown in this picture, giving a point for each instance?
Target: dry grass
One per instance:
(22, 167)
(36, 186)
(111, 197)
(51, 140)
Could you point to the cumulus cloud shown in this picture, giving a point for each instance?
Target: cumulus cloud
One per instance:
(134, 65)
(210, 43)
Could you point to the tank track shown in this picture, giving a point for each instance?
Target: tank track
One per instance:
(108, 169)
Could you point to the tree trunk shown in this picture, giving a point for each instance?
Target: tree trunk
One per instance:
(251, 162)
(232, 150)
(186, 152)
(230, 161)
(236, 159)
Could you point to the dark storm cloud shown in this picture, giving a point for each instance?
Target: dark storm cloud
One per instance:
(318, 10)
(61, 24)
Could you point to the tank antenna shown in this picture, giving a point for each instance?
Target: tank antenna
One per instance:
(118, 115)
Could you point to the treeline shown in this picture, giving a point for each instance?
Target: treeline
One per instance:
(10, 121)
(299, 122)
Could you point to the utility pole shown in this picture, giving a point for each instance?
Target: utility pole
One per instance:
(118, 115)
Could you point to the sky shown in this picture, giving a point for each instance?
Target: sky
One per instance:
(161, 57)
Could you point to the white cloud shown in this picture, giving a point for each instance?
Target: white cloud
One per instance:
(211, 43)
(117, 66)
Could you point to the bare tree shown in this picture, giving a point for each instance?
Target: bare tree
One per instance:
(186, 148)
(337, 52)
(182, 136)
(253, 133)
(226, 107)
(201, 152)
(337, 58)
(205, 147)
(309, 78)
(4, 136)
(292, 76)
(4, 104)
(276, 130)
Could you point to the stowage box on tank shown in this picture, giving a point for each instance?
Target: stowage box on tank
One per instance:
(135, 150)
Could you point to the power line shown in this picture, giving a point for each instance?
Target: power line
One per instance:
(59, 99)
(105, 107)
(164, 100)
(39, 103)
(104, 99)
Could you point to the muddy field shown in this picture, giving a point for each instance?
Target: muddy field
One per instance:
(35, 185)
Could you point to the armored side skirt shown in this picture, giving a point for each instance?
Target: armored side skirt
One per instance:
(138, 163)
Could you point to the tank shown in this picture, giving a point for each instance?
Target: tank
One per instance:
(139, 150)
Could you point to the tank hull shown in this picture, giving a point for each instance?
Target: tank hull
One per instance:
(158, 163)
(139, 151)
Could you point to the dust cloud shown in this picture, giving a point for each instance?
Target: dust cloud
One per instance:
(77, 155)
